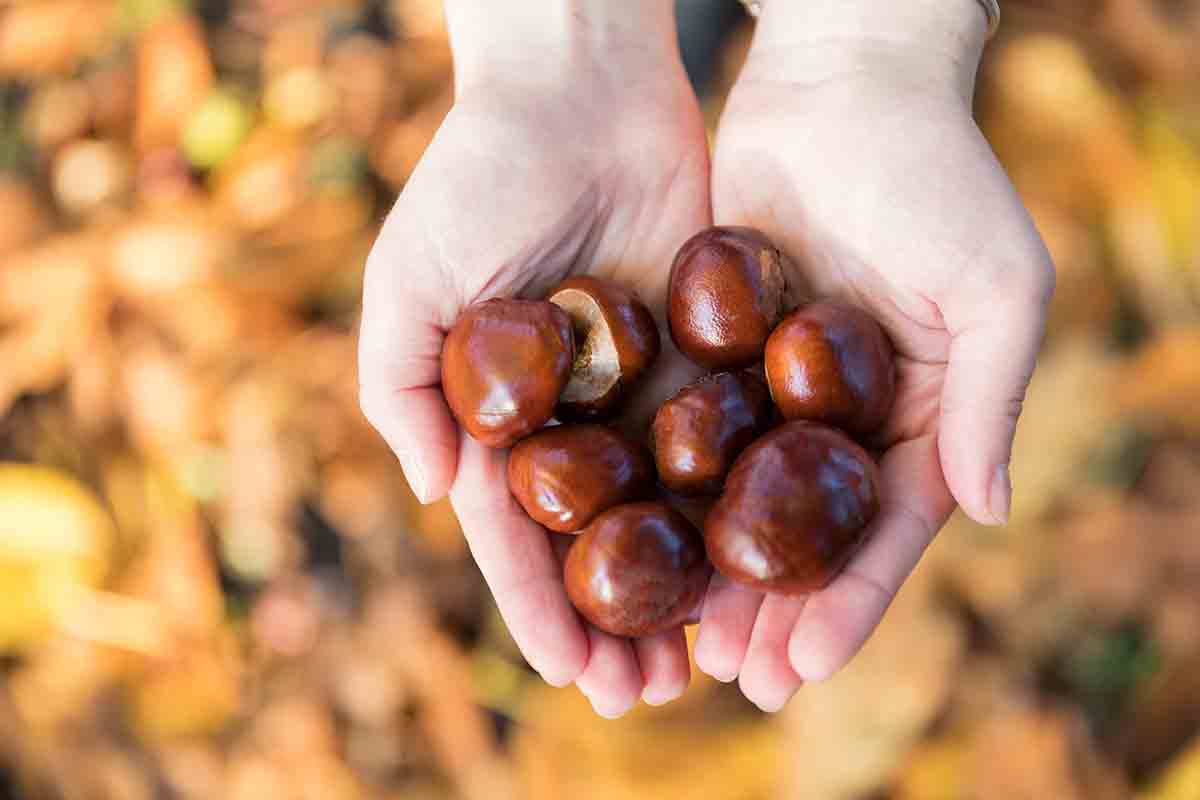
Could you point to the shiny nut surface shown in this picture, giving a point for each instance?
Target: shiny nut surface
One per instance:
(795, 508)
(566, 475)
(504, 365)
(728, 290)
(637, 570)
(616, 341)
(834, 364)
(699, 432)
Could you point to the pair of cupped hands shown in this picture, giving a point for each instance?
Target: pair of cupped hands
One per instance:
(859, 159)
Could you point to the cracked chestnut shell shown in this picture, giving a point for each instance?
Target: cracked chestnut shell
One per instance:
(616, 341)
(699, 432)
(637, 570)
(728, 290)
(832, 363)
(796, 506)
(504, 364)
(566, 475)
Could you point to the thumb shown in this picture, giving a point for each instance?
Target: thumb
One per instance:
(399, 357)
(993, 349)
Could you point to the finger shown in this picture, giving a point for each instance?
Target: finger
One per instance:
(612, 680)
(767, 678)
(837, 620)
(399, 356)
(725, 625)
(514, 555)
(665, 669)
(991, 359)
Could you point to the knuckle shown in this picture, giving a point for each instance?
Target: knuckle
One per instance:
(483, 508)
(1016, 282)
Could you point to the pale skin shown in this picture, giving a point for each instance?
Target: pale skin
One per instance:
(575, 145)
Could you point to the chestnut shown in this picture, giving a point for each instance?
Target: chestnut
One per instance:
(699, 432)
(637, 570)
(728, 290)
(566, 475)
(795, 508)
(616, 340)
(504, 364)
(832, 363)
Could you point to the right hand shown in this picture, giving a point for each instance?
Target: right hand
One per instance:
(848, 139)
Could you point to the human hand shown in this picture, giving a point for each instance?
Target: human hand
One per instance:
(849, 140)
(574, 146)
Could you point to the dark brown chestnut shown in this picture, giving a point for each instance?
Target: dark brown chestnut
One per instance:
(699, 432)
(616, 340)
(504, 364)
(637, 570)
(566, 475)
(834, 364)
(728, 290)
(795, 508)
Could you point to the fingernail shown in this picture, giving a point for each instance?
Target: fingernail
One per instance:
(416, 480)
(1001, 495)
(772, 706)
(601, 708)
(607, 712)
(657, 696)
(710, 661)
(557, 681)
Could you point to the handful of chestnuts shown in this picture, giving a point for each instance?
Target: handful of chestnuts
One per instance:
(768, 436)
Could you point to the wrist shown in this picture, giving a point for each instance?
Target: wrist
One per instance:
(935, 44)
(551, 42)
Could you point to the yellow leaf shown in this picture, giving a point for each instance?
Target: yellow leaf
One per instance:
(55, 538)
(1175, 181)
(1181, 780)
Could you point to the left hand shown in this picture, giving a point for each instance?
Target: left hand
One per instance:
(862, 162)
(584, 154)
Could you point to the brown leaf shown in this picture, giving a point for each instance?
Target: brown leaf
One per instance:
(57, 112)
(167, 252)
(439, 673)
(562, 749)
(1032, 753)
(51, 37)
(1162, 383)
(25, 218)
(851, 732)
(174, 75)
(1068, 411)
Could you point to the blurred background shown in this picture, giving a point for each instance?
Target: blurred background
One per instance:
(215, 584)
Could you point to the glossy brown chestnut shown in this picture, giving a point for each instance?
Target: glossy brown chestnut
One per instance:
(699, 432)
(504, 364)
(728, 290)
(637, 570)
(834, 364)
(566, 475)
(795, 508)
(616, 340)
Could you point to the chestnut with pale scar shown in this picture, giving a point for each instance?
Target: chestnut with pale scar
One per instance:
(616, 342)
